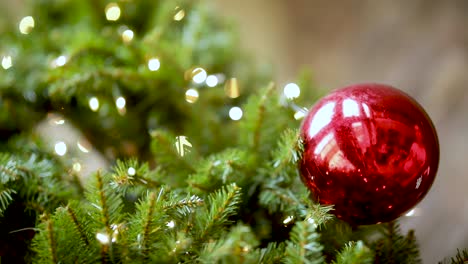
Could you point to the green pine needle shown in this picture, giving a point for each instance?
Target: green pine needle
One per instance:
(5, 198)
(355, 252)
(304, 246)
(235, 247)
(220, 206)
(460, 258)
(273, 253)
(395, 247)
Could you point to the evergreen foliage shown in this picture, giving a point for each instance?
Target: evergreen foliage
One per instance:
(186, 183)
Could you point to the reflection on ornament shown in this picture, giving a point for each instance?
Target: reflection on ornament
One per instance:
(7, 62)
(112, 12)
(322, 118)
(235, 113)
(371, 151)
(26, 25)
(153, 64)
(291, 91)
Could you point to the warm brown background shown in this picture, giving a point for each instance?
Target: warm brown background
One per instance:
(420, 46)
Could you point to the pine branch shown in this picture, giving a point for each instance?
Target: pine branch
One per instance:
(51, 240)
(321, 214)
(396, 248)
(255, 115)
(273, 253)
(167, 158)
(235, 247)
(220, 169)
(78, 225)
(147, 226)
(279, 199)
(355, 252)
(8, 168)
(129, 174)
(105, 218)
(288, 151)
(261, 115)
(5, 198)
(182, 208)
(104, 208)
(460, 258)
(304, 246)
(148, 219)
(221, 205)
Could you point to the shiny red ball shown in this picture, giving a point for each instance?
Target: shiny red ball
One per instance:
(371, 151)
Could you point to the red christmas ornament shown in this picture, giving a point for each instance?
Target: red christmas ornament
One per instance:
(371, 151)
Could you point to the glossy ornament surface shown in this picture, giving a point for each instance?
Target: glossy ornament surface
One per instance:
(371, 151)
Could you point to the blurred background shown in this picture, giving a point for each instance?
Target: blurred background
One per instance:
(419, 46)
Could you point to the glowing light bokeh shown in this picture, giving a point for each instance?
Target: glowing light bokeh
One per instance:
(60, 148)
(235, 113)
(112, 12)
(26, 25)
(154, 64)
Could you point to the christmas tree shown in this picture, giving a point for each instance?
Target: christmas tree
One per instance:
(200, 149)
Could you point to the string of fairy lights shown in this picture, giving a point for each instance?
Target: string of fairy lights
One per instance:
(197, 75)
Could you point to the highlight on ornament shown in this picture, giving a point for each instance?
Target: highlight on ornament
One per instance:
(371, 151)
